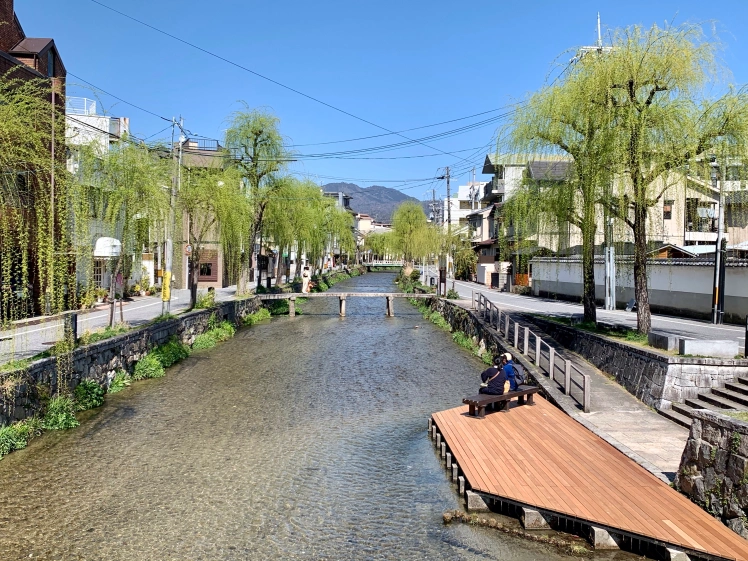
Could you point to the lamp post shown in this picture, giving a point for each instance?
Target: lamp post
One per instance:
(717, 311)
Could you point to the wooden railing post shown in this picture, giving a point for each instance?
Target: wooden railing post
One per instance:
(567, 376)
(527, 340)
(506, 327)
(292, 306)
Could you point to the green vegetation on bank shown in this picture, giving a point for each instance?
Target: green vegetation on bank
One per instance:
(459, 337)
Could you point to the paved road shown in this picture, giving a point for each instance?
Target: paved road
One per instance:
(678, 326)
(26, 341)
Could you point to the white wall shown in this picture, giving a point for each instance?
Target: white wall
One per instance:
(674, 287)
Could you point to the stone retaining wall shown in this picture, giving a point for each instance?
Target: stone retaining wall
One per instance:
(655, 378)
(713, 471)
(22, 392)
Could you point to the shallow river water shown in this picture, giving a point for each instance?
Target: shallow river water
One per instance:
(303, 438)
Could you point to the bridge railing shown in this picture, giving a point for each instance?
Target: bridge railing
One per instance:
(560, 370)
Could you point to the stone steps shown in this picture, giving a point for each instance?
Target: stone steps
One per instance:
(676, 417)
(731, 395)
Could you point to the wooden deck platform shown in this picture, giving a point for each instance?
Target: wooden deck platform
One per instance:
(537, 456)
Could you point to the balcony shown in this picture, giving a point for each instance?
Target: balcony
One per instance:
(80, 106)
(493, 192)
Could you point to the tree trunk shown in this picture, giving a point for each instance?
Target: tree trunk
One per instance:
(588, 273)
(641, 291)
(112, 289)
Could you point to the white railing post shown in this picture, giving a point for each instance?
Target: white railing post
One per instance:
(567, 377)
(538, 342)
(586, 390)
(516, 335)
(472, 300)
(551, 362)
(527, 340)
(506, 326)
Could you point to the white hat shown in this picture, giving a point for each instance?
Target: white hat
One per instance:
(507, 356)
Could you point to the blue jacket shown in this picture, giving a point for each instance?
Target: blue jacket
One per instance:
(509, 372)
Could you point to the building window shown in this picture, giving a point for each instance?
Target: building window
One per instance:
(206, 269)
(667, 210)
(50, 63)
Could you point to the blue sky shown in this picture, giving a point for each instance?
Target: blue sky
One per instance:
(399, 64)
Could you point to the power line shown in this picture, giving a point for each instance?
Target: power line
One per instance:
(246, 69)
(405, 130)
(119, 98)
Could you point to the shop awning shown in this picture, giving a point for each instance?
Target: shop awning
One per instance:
(107, 247)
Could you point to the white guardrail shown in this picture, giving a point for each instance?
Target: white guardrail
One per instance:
(559, 369)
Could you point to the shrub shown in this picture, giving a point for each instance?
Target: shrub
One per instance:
(205, 340)
(88, 394)
(89, 337)
(206, 300)
(415, 275)
(120, 382)
(16, 436)
(224, 331)
(171, 352)
(60, 414)
(258, 316)
(148, 367)
(452, 294)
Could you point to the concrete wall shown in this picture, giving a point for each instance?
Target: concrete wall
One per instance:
(713, 471)
(656, 379)
(680, 287)
(22, 392)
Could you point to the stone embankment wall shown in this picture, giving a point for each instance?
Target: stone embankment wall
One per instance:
(714, 468)
(22, 392)
(655, 378)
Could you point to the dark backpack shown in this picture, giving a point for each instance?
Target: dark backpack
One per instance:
(519, 374)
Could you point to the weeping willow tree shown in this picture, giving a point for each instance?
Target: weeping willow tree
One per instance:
(414, 236)
(568, 119)
(129, 180)
(36, 262)
(209, 200)
(257, 145)
(655, 83)
(381, 244)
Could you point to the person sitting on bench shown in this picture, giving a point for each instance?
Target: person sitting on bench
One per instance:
(507, 365)
(493, 378)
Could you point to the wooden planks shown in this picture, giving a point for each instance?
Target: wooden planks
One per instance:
(539, 456)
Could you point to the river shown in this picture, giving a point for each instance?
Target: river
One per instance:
(302, 438)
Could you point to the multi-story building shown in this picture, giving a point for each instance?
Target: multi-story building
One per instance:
(466, 200)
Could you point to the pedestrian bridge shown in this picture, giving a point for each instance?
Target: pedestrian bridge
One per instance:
(384, 263)
(342, 297)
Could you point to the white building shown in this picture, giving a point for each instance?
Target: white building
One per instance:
(466, 200)
(83, 125)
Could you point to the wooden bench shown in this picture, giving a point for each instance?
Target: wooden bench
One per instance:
(478, 402)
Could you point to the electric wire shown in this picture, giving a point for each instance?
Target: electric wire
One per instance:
(259, 75)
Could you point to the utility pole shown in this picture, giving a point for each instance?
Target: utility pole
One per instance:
(719, 257)
(171, 226)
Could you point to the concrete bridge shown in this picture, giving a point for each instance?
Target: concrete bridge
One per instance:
(342, 297)
(383, 263)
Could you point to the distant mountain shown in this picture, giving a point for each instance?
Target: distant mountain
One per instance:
(377, 201)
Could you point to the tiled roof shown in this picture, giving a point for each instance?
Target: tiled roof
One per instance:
(30, 46)
(549, 170)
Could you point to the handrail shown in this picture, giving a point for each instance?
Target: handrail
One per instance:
(572, 375)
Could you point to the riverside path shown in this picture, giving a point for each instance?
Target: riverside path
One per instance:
(538, 457)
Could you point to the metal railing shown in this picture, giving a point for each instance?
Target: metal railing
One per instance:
(80, 106)
(560, 370)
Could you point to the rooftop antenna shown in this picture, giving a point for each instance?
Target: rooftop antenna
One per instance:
(598, 48)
